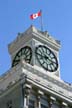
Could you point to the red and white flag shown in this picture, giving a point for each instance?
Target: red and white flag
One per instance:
(34, 16)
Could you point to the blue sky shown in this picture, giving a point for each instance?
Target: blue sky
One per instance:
(57, 20)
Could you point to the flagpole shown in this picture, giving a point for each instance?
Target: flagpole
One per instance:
(41, 21)
(38, 14)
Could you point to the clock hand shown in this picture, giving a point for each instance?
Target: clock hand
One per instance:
(50, 59)
(43, 55)
(46, 57)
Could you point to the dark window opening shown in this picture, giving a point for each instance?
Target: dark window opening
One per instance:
(9, 104)
(31, 104)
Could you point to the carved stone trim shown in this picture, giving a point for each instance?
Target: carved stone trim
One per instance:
(64, 104)
(27, 89)
(39, 94)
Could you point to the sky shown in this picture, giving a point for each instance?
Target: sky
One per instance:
(57, 20)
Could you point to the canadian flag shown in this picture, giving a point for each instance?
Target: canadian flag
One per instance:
(34, 16)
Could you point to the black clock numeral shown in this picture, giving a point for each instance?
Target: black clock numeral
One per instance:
(43, 50)
(47, 52)
(40, 51)
(16, 62)
(43, 62)
(23, 51)
(51, 55)
(52, 66)
(26, 51)
(17, 58)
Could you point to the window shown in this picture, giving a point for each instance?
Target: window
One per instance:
(44, 102)
(43, 106)
(9, 104)
(32, 100)
(31, 104)
(55, 105)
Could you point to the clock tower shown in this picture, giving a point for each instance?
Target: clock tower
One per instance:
(33, 81)
(38, 49)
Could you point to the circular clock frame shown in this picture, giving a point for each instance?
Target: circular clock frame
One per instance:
(24, 53)
(46, 58)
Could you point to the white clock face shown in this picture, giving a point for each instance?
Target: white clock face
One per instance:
(25, 53)
(46, 58)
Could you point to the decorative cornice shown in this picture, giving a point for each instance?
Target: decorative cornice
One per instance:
(25, 36)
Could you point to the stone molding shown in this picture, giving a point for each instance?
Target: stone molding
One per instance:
(52, 83)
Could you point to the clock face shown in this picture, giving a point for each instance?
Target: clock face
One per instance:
(24, 53)
(46, 58)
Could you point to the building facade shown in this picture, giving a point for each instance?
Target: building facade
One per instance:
(33, 81)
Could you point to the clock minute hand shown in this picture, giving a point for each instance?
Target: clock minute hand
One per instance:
(49, 58)
(44, 56)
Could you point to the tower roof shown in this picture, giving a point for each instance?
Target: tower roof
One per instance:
(32, 32)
